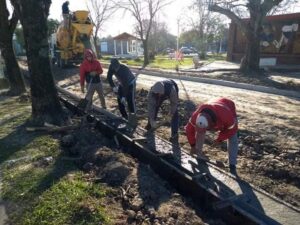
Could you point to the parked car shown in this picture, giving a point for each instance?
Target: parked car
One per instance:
(187, 50)
(168, 50)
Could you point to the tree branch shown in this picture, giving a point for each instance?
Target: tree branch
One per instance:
(230, 15)
(267, 5)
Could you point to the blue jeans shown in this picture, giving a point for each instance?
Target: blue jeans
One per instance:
(232, 148)
(174, 121)
(130, 98)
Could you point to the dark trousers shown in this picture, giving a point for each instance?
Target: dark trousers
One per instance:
(174, 121)
(130, 98)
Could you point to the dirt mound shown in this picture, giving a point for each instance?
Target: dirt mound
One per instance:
(138, 195)
(144, 197)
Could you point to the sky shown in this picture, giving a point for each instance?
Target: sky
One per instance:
(119, 22)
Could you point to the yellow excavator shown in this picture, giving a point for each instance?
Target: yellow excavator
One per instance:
(73, 36)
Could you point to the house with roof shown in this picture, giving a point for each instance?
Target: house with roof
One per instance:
(122, 46)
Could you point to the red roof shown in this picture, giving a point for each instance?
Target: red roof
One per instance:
(291, 16)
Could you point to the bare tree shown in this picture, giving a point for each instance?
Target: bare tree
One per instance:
(206, 23)
(45, 103)
(160, 38)
(100, 12)
(237, 10)
(7, 28)
(144, 12)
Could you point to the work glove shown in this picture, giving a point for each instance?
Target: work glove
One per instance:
(115, 89)
(123, 100)
(82, 89)
(93, 73)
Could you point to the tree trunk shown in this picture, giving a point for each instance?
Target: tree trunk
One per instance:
(45, 102)
(14, 76)
(7, 28)
(250, 61)
(96, 47)
(146, 52)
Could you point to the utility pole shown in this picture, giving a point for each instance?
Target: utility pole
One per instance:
(177, 44)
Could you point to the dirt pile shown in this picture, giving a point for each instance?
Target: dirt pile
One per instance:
(138, 195)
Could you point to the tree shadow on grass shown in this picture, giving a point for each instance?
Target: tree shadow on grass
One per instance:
(15, 141)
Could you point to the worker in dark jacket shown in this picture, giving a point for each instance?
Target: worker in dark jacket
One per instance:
(126, 88)
(159, 92)
(218, 115)
(66, 13)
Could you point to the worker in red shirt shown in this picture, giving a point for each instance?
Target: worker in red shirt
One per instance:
(90, 70)
(219, 115)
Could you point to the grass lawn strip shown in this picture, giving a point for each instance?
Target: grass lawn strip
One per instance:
(38, 186)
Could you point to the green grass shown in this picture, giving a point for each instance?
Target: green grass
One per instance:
(215, 57)
(164, 62)
(39, 193)
(70, 201)
(161, 62)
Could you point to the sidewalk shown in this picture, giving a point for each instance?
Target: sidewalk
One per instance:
(264, 89)
(184, 74)
(215, 66)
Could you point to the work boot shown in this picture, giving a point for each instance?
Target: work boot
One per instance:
(232, 169)
(174, 138)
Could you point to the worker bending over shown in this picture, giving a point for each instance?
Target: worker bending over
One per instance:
(159, 92)
(126, 88)
(90, 70)
(219, 115)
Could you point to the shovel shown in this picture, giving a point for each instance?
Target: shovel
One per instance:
(84, 102)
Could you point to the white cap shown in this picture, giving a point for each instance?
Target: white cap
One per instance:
(201, 121)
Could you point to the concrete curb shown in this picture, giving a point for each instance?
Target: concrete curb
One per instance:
(258, 88)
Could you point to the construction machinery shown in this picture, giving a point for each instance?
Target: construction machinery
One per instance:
(73, 36)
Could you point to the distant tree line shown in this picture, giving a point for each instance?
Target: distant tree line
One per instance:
(203, 27)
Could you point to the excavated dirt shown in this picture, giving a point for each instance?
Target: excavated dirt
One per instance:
(269, 148)
(136, 194)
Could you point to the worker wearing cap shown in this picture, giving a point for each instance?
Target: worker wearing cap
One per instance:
(159, 92)
(66, 13)
(90, 70)
(126, 88)
(219, 115)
